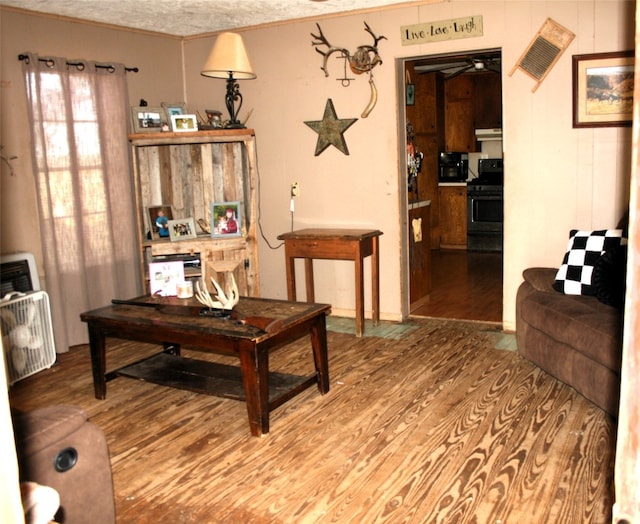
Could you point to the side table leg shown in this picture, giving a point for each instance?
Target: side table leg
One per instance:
(98, 361)
(359, 293)
(320, 353)
(255, 378)
(308, 276)
(291, 277)
(375, 282)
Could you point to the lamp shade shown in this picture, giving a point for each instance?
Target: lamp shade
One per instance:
(228, 56)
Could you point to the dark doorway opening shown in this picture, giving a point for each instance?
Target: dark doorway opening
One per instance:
(452, 97)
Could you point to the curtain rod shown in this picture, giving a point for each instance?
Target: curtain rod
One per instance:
(76, 64)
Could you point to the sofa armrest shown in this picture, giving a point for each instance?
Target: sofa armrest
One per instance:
(541, 278)
(58, 447)
(38, 429)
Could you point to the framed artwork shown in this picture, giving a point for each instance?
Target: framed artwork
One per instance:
(180, 123)
(182, 229)
(147, 119)
(159, 217)
(603, 89)
(411, 94)
(177, 108)
(225, 219)
(164, 278)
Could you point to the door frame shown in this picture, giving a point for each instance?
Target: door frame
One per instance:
(403, 192)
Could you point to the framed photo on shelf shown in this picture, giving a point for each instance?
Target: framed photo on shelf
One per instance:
(164, 278)
(177, 108)
(603, 89)
(182, 229)
(147, 119)
(180, 123)
(225, 219)
(159, 217)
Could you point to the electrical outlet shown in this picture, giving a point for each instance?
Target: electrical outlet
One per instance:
(295, 189)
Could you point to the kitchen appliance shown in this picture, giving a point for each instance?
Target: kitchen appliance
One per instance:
(483, 135)
(490, 142)
(485, 207)
(453, 167)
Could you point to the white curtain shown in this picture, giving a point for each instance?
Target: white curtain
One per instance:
(78, 114)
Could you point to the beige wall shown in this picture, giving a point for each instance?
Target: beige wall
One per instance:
(556, 177)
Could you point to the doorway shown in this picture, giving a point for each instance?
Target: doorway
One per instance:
(448, 98)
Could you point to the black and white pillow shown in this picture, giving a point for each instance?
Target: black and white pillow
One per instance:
(583, 251)
(610, 277)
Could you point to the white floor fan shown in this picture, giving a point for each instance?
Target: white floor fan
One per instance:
(27, 334)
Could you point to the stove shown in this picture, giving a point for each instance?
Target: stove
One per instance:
(485, 207)
(490, 173)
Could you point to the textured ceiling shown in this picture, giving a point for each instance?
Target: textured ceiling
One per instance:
(193, 17)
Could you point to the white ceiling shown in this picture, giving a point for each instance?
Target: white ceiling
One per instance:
(193, 17)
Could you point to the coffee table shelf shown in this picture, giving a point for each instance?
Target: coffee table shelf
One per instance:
(211, 378)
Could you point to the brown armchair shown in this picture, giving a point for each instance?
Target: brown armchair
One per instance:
(58, 447)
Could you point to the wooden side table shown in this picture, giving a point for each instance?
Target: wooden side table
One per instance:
(335, 244)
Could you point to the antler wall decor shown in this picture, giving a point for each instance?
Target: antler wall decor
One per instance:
(365, 58)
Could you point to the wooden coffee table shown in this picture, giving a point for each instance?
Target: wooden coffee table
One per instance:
(257, 327)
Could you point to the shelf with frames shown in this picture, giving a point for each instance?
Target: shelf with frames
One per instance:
(189, 171)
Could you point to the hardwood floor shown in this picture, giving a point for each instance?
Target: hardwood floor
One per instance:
(465, 285)
(426, 423)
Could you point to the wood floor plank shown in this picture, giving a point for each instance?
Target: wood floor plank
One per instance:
(437, 425)
(464, 285)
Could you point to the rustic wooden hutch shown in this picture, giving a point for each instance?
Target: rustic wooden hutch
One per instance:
(189, 171)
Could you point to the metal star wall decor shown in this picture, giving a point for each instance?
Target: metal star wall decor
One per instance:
(331, 129)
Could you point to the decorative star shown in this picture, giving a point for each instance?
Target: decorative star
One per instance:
(331, 130)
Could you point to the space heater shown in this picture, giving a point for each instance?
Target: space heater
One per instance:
(25, 318)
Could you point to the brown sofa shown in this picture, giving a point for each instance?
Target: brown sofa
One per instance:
(577, 339)
(58, 447)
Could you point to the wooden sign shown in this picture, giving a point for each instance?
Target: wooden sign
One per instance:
(453, 29)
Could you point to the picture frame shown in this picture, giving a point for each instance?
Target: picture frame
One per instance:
(182, 229)
(175, 108)
(603, 89)
(153, 213)
(226, 220)
(184, 123)
(147, 119)
(164, 278)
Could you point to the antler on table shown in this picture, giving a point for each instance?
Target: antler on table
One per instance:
(223, 302)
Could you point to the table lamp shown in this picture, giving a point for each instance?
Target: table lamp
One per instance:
(228, 59)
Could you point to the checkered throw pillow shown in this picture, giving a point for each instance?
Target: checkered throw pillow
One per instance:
(583, 251)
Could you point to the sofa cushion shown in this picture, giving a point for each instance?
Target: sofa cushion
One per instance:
(584, 323)
(584, 248)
